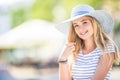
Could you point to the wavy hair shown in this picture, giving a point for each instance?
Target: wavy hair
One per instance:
(100, 38)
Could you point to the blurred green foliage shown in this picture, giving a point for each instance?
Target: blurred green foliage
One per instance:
(44, 9)
(68, 4)
(18, 17)
(117, 28)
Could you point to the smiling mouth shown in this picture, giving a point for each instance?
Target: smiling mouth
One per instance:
(84, 33)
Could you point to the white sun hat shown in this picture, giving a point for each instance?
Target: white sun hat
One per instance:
(103, 18)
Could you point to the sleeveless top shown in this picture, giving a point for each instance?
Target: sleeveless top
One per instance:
(85, 65)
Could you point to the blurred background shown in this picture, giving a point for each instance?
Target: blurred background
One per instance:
(30, 44)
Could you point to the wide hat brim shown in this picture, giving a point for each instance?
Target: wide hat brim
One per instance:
(103, 18)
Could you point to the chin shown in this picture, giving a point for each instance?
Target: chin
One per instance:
(84, 38)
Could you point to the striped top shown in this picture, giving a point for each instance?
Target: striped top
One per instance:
(85, 65)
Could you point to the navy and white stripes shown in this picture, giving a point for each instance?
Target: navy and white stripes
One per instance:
(85, 65)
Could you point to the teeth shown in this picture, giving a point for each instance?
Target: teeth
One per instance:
(84, 33)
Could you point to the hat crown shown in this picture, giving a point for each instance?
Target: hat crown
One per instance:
(81, 10)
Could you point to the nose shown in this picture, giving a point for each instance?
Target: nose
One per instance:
(80, 26)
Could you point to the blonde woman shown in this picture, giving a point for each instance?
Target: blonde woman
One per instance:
(89, 53)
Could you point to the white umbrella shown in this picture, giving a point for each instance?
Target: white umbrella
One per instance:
(32, 32)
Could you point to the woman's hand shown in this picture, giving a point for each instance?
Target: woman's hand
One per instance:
(69, 48)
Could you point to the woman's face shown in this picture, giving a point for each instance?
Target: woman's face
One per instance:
(83, 27)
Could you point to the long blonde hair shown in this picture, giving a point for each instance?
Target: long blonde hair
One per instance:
(100, 38)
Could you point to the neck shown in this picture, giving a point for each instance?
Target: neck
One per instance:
(89, 44)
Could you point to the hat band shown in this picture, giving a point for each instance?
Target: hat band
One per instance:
(79, 13)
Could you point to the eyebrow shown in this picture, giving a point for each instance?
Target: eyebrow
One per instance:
(80, 21)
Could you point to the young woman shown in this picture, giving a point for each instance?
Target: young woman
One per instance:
(89, 53)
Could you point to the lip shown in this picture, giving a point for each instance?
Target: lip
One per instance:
(83, 33)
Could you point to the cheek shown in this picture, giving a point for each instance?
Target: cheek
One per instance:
(91, 30)
(90, 27)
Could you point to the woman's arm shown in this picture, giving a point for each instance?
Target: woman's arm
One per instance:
(64, 72)
(105, 63)
(64, 67)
